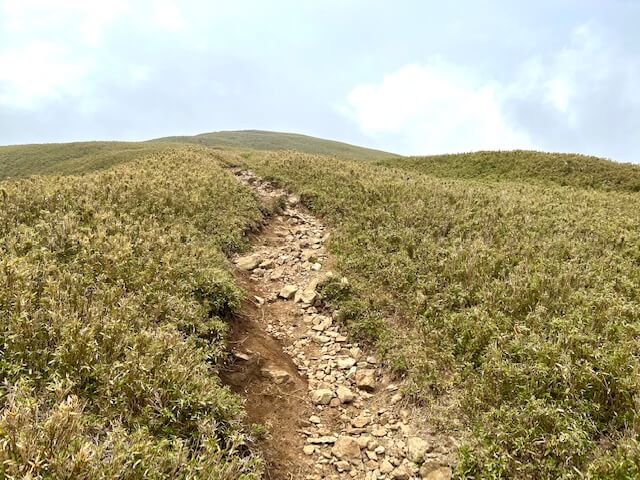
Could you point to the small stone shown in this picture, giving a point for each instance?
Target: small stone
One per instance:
(343, 466)
(442, 473)
(288, 291)
(344, 394)
(400, 473)
(278, 376)
(395, 398)
(378, 431)
(315, 419)
(322, 396)
(308, 297)
(241, 356)
(346, 448)
(249, 262)
(293, 200)
(309, 449)
(345, 363)
(416, 449)
(386, 467)
(326, 439)
(360, 421)
(366, 379)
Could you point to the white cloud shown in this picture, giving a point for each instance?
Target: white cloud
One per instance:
(167, 15)
(38, 71)
(89, 19)
(435, 108)
(555, 101)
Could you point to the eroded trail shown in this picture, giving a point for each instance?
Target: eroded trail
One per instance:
(332, 410)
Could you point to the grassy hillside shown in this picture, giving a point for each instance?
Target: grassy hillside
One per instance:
(527, 166)
(261, 140)
(68, 158)
(518, 301)
(113, 299)
(478, 276)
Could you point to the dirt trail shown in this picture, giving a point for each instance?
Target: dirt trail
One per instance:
(331, 410)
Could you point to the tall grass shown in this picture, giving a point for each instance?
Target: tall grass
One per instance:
(521, 299)
(69, 158)
(527, 166)
(113, 300)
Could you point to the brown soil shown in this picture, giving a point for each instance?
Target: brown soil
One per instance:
(283, 409)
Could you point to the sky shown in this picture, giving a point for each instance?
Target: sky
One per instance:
(412, 77)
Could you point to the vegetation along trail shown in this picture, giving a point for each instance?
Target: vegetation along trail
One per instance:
(331, 409)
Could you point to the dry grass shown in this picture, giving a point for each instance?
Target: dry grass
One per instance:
(113, 299)
(522, 297)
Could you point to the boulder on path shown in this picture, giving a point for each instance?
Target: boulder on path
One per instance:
(276, 375)
(288, 291)
(416, 449)
(366, 379)
(346, 448)
(248, 262)
(321, 396)
(344, 394)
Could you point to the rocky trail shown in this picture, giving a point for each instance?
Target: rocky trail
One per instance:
(332, 409)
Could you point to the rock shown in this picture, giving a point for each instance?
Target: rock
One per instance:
(293, 200)
(360, 421)
(309, 449)
(346, 448)
(345, 363)
(323, 325)
(321, 396)
(386, 467)
(378, 431)
(395, 398)
(307, 296)
(416, 449)
(344, 394)
(343, 466)
(249, 262)
(267, 264)
(400, 473)
(316, 267)
(441, 473)
(315, 419)
(278, 376)
(366, 379)
(326, 439)
(288, 291)
(363, 441)
(241, 356)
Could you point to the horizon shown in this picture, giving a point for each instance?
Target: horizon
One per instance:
(416, 79)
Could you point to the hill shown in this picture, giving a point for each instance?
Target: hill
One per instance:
(114, 302)
(527, 166)
(68, 158)
(514, 305)
(505, 300)
(274, 141)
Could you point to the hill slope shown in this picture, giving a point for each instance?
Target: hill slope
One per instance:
(517, 302)
(527, 166)
(114, 296)
(68, 158)
(273, 141)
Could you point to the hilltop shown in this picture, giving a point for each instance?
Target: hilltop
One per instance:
(274, 141)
